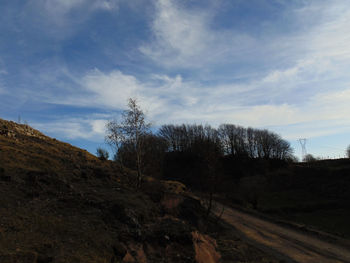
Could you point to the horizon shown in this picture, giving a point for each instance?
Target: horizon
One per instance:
(68, 66)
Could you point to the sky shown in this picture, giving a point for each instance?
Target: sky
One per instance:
(67, 67)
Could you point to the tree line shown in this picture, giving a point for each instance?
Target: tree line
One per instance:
(188, 152)
(230, 139)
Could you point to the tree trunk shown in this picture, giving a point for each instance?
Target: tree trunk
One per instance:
(210, 203)
(139, 173)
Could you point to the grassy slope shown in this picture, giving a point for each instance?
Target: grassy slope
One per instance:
(59, 203)
(315, 194)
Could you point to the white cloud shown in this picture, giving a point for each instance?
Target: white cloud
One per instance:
(178, 32)
(63, 7)
(3, 72)
(183, 38)
(278, 75)
(171, 99)
(98, 126)
(311, 92)
(107, 5)
(324, 114)
(112, 89)
(333, 105)
(318, 57)
(312, 130)
(59, 12)
(91, 128)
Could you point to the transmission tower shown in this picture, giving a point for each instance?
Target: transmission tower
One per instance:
(302, 142)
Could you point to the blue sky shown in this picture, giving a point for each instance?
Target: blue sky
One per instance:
(68, 66)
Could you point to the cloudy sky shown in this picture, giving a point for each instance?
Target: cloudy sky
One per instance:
(68, 66)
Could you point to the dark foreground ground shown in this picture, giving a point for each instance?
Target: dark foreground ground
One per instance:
(287, 242)
(59, 203)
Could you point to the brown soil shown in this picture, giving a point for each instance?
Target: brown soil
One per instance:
(59, 204)
(205, 248)
(293, 245)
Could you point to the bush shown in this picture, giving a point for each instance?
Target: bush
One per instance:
(102, 154)
(309, 158)
(154, 189)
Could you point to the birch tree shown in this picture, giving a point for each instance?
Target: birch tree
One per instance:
(131, 130)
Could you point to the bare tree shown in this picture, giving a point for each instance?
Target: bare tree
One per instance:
(154, 150)
(234, 139)
(130, 130)
(252, 147)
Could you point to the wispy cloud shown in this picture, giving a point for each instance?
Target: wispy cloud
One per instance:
(59, 19)
(183, 38)
(3, 72)
(287, 69)
(59, 9)
(88, 127)
(111, 89)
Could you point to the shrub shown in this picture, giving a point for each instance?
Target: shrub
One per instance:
(102, 154)
(309, 158)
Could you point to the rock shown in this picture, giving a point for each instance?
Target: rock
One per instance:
(205, 248)
(169, 230)
(192, 211)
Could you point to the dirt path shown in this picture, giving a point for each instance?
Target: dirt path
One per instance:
(296, 246)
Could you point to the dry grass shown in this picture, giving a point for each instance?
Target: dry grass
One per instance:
(59, 203)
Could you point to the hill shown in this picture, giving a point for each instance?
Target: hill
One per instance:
(59, 203)
(313, 194)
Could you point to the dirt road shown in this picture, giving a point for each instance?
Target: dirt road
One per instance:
(292, 244)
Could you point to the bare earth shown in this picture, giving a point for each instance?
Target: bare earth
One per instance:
(294, 245)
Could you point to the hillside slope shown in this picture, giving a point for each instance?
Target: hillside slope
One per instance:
(59, 203)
